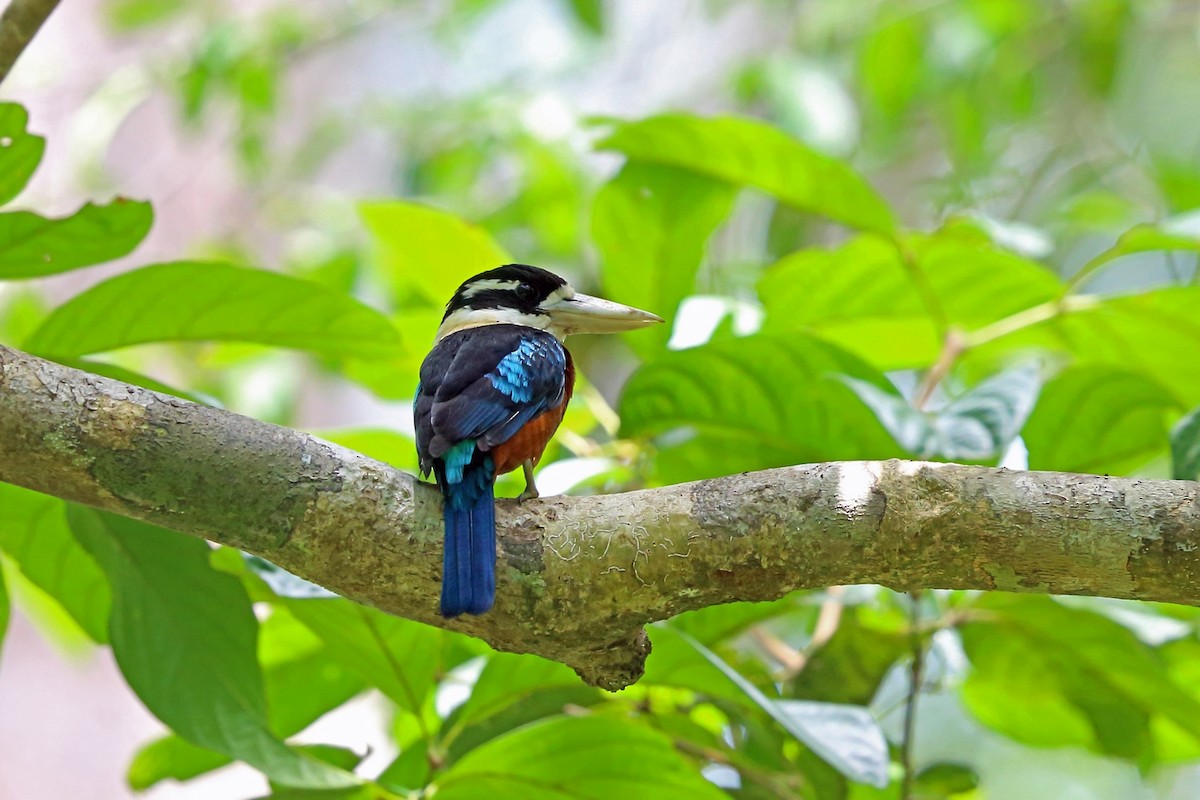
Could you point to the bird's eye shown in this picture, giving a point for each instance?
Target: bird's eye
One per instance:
(526, 292)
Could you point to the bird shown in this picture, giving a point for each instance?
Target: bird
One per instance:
(491, 393)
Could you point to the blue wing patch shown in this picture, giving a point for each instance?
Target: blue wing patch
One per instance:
(523, 370)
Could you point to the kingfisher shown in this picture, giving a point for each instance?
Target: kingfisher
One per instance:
(492, 392)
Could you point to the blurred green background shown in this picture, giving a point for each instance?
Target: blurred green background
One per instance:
(958, 230)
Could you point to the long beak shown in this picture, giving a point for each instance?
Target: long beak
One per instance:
(586, 314)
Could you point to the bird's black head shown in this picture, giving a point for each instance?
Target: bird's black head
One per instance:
(517, 294)
(518, 288)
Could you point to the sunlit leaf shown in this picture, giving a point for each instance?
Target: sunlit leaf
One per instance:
(20, 151)
(1049, 675)
(747, 152)
(847, 737)
(651, 224)
(32, 246)
(753, 403)
(397, 656)
(862, 297)
(184, 637)
(1150, 333)
(590, 14)
(195, 301)
(427, 249)
(575, 758)
(1185, 447)
(35, 537)
(1098, 419)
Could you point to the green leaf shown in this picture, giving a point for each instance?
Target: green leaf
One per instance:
(1053, 676)
(576, 758)
(847, 737)
(945, 779)
(35, 536)
(1185, 447)
(1177, 233)
(388, 446)
(747, 152)
(190, 301)
(651, 224)
(184, 636)
(1146, 333)
(862, 297)
(397, 656)
(302, 687)
(431, 251)
(20, 151)
(1098, 419)
(514, 690)
(975, 426)
(590, 14)
(753, 403)
(32, 246)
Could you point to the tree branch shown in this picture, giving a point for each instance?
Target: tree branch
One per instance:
(20, 22)
(580, 576)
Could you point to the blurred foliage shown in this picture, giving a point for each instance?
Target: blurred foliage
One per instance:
(964, 229)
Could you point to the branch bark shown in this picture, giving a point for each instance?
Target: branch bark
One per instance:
(20, 22)
(579, 577)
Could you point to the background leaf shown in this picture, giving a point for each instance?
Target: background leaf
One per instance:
(753, 403)
(651, 224)
(191, 301)
(35, 536)
(423, 248)
(32, 246)
(184, 636)
(977, 425)
(573, 758)
(397, 656)
(747, 152)
(1098, 419)
(20, 151)
(1185, 447)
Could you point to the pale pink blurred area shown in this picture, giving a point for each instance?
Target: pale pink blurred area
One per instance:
(69, 726)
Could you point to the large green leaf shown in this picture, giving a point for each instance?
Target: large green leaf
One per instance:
(1185, 447)
(1099, 419)
(397, 656)
(753, 403)
(427, 249)
(847, 737)
(651, 224)
(975, 426)
(1152, 333)
(32, 246)
(184, 636)
(862, 297)
(298, 692)
(747, 152)
(20, 151)
(1049, 675)
(185, 301)
(35, 536)
(576, 758)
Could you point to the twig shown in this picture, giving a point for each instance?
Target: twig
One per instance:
(914, 690)
(18, 25)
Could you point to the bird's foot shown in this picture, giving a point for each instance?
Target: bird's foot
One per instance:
(531, 491)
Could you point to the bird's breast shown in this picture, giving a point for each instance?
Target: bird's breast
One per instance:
(528, 443)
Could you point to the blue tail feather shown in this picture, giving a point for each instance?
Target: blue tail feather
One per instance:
(469, 553)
